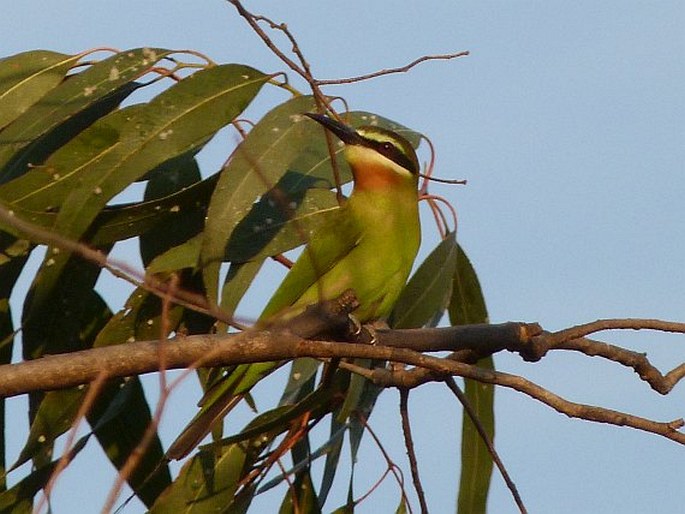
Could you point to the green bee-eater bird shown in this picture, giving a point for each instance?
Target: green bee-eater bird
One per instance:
(371, 249)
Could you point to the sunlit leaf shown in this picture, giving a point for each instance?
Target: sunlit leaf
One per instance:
(317, 209)
(206, 483)
(301, 498)
(427, 294)
(467, 306)
(26, 77)
(82, 91)
(126, 144)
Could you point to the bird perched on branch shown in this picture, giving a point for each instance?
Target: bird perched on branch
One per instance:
(370, 249)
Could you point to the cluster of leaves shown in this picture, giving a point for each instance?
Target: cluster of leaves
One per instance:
(68, 147)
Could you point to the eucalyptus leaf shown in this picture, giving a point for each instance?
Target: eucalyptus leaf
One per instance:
(128, 143)
(26, 77)
(72, 96)
(427, 293)
(467, 306)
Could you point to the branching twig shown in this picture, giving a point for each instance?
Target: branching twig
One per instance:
(120, 270)
(392, 467)
(71, 369)
(388, 71)
(638, 361)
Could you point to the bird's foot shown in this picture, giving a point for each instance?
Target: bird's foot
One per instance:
(359, 333)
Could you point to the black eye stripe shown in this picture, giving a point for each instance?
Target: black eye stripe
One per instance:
(391, 145)
(390, 151)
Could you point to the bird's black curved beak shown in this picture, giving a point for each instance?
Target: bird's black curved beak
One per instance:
(344, 132)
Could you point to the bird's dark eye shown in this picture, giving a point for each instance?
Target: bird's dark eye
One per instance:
(387, 149)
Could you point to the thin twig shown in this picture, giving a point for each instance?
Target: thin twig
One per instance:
(473, 416)
(118, 269)
(411, 453)
(388, 71)
(392, 467)
(87, 403)
(618, 324)
(638, 361)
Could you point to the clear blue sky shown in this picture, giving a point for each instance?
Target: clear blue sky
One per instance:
(567, 121)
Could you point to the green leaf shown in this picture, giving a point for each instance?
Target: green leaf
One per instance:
(334, 445)
(427, 294)
(123, 146)
(476, 461)
(121, 222)
(301, 498)
(26, 77)
(258, 163)
(169, 178)
(467, 306)
(6, 340)
(254, 240)
(238, 280)
(19, 498)
(206, 483)
(75, 95)
(119, 419)
(74, 326)
(9, 273)
(54, 417)
(121, 415)
(270, 229)
(71, 317)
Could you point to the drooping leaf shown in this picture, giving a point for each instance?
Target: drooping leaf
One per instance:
(26, 77)
(206, 483)
(71, 318)
(6, 340)
(317, 208)
(121, 414)
(123, 146)
(467, 306)
(169, 178)
(301, 498)
(123, 221)
(334, 444)
(257, 164)
(13, 256)
(77, 94)
(426, 295)
(119, 420)
(54, 417)
(238, 280)
(83, 313)
(19, 498)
